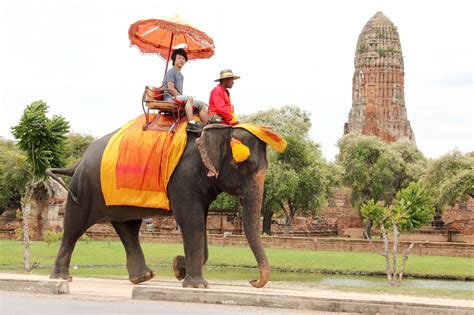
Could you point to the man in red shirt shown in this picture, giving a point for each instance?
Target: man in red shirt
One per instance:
(220, 107)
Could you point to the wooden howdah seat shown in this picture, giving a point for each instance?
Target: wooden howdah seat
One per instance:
(154, 106)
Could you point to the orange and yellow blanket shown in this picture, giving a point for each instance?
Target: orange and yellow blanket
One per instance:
(266, 135)
(137, 165)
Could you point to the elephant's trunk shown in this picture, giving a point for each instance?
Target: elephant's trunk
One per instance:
(252, 202)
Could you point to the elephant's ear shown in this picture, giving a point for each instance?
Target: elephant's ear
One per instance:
(212, 146)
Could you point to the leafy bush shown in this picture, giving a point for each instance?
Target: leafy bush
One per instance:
(410, 210)
(85, 238)
(19, 234)
(52, 237)
(13, 175)
(225, 202)
(413, 207)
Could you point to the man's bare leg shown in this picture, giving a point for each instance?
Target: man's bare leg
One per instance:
(203, 114)
(188, 108)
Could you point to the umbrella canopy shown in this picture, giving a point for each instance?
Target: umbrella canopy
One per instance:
(158, 36)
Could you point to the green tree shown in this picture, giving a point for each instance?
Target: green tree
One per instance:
(225, 203)
(280, 182)
(13, 175)
(451, 177)
(415, 162)
(286, 120)
(43, 141)
(376, 170)
(411, 209)
(76, 146)
(297, 179)
(309, 190)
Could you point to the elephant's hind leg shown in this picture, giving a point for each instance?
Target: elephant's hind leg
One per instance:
(179, 267)
(128, 231)
(72, 232)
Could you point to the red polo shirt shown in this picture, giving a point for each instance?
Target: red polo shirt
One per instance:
(219, 103)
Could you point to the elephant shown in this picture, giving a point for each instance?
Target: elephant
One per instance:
(206, 168)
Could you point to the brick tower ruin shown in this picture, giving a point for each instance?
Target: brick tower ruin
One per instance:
(378, 102)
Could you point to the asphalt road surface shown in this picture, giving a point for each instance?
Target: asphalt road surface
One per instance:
(39, 304)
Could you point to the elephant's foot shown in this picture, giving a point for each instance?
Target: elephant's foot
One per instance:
(195, 282)
(179, 267)
(60, 275)
(147, 276)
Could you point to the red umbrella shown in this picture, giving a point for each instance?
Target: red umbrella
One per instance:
(158, 36)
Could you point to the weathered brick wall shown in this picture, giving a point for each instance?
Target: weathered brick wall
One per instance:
(460, 217)
(8, 230)
(338, 217)
(101, 229)
(323, 244)
(339, 212)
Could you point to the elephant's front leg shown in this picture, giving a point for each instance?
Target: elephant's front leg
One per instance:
(128, 231)
(179, 262)
(192, 222)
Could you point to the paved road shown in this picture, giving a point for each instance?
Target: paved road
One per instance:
(38, 304)
(107, 296)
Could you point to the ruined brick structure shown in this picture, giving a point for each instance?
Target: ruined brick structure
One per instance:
(378, 102)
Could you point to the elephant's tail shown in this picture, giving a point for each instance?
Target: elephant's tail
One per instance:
(54, 172)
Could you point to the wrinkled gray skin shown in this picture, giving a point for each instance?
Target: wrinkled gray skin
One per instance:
(191, 190)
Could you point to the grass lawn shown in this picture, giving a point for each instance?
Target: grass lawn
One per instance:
(101, 260)
(100, 254)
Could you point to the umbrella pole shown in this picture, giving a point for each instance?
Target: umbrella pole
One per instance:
(169, 55)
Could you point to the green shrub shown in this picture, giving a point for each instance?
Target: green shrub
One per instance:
(52, 237)
(19, 234)
(85, 238)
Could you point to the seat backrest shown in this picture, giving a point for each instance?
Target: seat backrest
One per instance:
(153, 93)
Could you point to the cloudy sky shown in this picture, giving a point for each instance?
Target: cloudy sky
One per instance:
(75, 55)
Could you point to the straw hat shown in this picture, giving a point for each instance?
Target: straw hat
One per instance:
(227, 73)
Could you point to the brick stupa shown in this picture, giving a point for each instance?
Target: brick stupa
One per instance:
(378, 102)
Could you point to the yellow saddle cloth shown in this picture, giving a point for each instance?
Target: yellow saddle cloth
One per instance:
(266, 135)
(137, 165)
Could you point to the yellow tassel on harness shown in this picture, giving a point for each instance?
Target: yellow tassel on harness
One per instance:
(240, 151)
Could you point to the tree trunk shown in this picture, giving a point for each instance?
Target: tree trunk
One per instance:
(287, 227)
(368, 228)
(289, 217)
(26, 205)
(386, 253)
(395, 252)
(405, 258)
(267, 222)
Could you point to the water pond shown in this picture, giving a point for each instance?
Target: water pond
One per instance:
(325, 280)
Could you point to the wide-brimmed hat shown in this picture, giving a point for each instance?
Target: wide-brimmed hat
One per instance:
(225, 74)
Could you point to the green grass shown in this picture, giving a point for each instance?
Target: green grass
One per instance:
(98, 259)
(99, 253)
